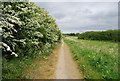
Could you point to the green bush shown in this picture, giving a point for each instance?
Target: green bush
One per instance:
(109, 35)
(26, 25)
(27, 31)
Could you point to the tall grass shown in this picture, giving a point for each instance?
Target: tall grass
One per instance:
(96, 59)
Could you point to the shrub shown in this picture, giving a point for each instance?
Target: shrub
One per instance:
(28, 32)
(26, 25)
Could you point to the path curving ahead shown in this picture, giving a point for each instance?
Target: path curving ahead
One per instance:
(66, 66)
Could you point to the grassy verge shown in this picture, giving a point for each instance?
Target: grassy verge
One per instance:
(44, 68)
(16, 68)
(96, 59)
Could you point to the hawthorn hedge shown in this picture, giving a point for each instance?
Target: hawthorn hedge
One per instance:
(109, 35)
(25, 26)
(28, 33)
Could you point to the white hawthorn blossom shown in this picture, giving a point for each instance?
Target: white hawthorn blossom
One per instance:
(13, 53)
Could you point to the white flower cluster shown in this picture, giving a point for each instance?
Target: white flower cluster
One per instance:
(5, 46)
(25, 25)
(38, 34)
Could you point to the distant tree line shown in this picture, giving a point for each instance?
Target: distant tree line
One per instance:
(71, 34)
(109, 35)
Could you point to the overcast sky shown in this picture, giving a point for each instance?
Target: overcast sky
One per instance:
(83, 16)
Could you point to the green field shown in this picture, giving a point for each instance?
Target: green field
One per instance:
(96, 59)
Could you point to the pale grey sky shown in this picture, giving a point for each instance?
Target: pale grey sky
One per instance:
(83, 16)
(74, 0)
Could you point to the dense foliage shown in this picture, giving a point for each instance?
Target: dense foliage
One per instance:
(96, 59)
(27, 31)
(71, 34)
(25, 25)
(109, 35)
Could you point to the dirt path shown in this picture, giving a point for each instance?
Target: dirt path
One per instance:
(59, 65)
(66, 67)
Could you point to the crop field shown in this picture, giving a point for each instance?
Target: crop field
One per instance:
(96, 59)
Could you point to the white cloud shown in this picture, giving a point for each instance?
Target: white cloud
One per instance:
(82, 16)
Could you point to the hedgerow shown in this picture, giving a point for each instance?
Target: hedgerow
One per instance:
(109, 35)
(24, 23)
(27, 30)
